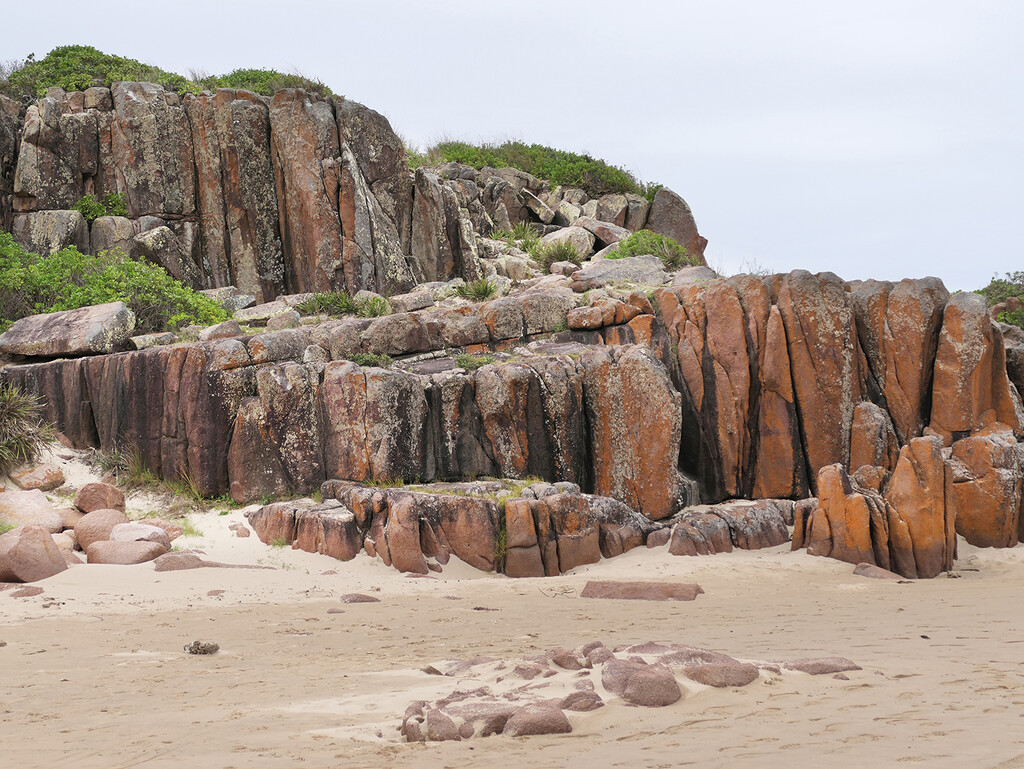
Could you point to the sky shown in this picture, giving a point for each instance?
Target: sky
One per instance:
(871, 139)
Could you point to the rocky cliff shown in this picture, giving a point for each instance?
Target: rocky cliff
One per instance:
(885, 411)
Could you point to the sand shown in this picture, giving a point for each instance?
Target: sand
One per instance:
(93, 673)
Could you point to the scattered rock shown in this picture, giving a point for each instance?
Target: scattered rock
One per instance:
(202, 647)
(641, 684)
(42, 477)
(99, 496)
(722, 674)
(822, 665)
(27, 592)
(358, 598)
(28, 553)
(537, 719)
(123, 553)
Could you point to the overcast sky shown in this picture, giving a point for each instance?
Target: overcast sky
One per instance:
(872, 139)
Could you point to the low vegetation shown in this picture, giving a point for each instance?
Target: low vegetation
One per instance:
(77, 67)
(592, 175)
(338, 303)
(371, 360)
(522, 236)
(643, 242)
(478, 290)
(1010, 286)
(471, 362)
(557, 251)
(69, 279)
(22, 432)
(113, 204)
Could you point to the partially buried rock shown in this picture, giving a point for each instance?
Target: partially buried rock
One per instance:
(822, 665)
(642, 591)
(124, 553)
(537, 719)
(722, 674)
(140, 532)
(638, 683)
(97, 526)
(358, 598)
(99, 496)
(28, 553)
(202, 647)
(19, 508)
(874, 572)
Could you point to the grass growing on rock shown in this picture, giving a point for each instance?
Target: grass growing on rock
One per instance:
(472, 362)
(1010, 286)
(644, 242)
(339, 303)
(557, 251)
(371, 360)
(478, 290)
(592, 175)
(77, 67)
(68, 279)
(22, 432)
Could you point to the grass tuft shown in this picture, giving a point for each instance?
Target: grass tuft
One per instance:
(478, 290)
(22, 432)
(643, 242)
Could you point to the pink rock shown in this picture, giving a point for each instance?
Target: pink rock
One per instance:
(643, 591)
(123, 553)
(722, 674)
(537, 719)
(97, 526)
(20, 508)
(99, 496)
(43, 477)
(140, 532)
(28, 553)
(638, 683)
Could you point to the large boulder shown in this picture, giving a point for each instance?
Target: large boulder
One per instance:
(44, 232)
(19, 508)
(987, 488)
(847, 523)
(643, 270)
(28, 553)
(10, 140)
(99, 329)
(650, 686)
(99, 496)
(97, 526)
(670, 215)
(971, 388)
(124, 553)
(581, 239)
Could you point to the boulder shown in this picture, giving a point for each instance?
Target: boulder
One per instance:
(821, 666)
(872, 438)
(581, 239)
(723, 674)
(124, 553)
(140, 532)
(97, 527)
(20, 508)
(845, 519)
(537, 719)
(111, 232)
(99, 496)
(102, 328)
(605, 232)
(987, 488)
(28, 554)
(162, 246)
(642, 591)
(670, 215)
(641, 684)
(44, 232)
(43, 477)
(226, 330)
(642, 270)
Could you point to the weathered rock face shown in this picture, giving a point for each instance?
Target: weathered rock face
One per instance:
(670, 215)
(238, 210)
(43, 232)
(987, 479)
(635, 421)
(11, 121)
(439, 244)
(151, 151)
(971, 388)
(102, 328)
(304, 145)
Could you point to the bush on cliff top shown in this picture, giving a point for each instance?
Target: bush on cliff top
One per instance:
(593, 176)
(66, 280)
(77, 67)
(1011, 285)
(643, 242)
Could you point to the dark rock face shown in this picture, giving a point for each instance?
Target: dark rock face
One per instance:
(670, 215)
(11, 122)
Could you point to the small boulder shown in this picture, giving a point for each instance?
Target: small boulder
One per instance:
(540, 718)
(820, 666)
(287, 319)
(225, 330)
(641, 684)
(642, 591)
(97, 526)
(123, 553)
(140, 532)
(722, 674)
(173, 530)
(44, 477)
(28, 553)
(99, 496)
(18, 508)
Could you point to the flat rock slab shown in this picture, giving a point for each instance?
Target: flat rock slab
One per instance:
(102, 328)
(875, 572)
(177, 561)
(642, 591)
(822, 665)
(358, 598)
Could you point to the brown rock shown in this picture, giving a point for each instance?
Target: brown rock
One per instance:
(641, 684)
(28, 554)
(845, 519)
(97, 526)
(670, 215)
(581, 701)
(123, 553)
(44, 232)
(723, 674)
(43, 477)
(644, 591)
(537, 719)
(69, 516)
(99, 496)
(872, 438)
(102, 328)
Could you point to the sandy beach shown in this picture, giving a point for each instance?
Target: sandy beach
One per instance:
(93, 672)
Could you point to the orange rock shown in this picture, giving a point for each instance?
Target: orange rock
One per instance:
(971, 387)
(872, 438)
(842, 525)
(987, 485)
(922, 511)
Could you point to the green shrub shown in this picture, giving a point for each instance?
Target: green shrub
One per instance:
(999, 290)
(556, 251)
(327, 303)
(478, 290)
(22, 434)
(370, 360)
(68, 279)
(471, 362)
(77, 67)
(374, 307)
(644, 242)
(593, 176)
(113, 204)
